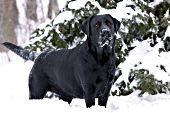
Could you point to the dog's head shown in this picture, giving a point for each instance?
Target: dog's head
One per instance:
(101, 30)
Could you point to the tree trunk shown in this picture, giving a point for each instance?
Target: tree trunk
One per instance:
(8, 22)
(31, 10)
(53, 8)
(9, 19)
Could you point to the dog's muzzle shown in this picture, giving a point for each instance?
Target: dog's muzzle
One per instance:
(105, 38)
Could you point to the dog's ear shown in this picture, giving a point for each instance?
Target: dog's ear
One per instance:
(116, 23)
(85, 27)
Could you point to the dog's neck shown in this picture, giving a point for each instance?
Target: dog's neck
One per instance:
(102, 55)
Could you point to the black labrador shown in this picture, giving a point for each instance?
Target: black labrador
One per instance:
(86, 71)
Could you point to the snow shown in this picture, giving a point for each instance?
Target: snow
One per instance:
(26, 26)
(14, 96)
(150, 59)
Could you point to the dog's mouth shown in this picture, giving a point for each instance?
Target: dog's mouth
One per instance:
(106, 41)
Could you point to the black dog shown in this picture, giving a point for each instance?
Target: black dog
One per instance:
(85, 71)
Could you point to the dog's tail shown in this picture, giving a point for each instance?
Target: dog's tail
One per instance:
(25, 54)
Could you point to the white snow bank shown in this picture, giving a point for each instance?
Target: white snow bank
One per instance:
(146, 57)
(14, 97)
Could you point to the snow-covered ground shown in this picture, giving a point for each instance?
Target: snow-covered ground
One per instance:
(14, 97)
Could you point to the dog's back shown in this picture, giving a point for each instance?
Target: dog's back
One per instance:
(58, 68)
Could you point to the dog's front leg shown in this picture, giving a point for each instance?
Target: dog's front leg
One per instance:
(89, 90)
(102, 100)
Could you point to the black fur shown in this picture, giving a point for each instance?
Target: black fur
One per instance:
(86, 71)
(25, 54)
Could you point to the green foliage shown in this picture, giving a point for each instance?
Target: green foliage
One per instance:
(147, 25)
(71, 29)
(123, 89)
(167, 43)
(120, 55)
(108, 4)
(166, 47)
(143, 26)
(146, 83)
(140, 27)
(49, 41)
(68, 32)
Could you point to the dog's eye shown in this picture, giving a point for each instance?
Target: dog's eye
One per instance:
(108, 22)
(97, 25)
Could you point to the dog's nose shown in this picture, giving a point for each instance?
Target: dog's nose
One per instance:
(105, 32)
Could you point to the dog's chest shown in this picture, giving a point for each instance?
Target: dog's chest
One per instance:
(96, 73)
(100, 78)
(92, 67)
